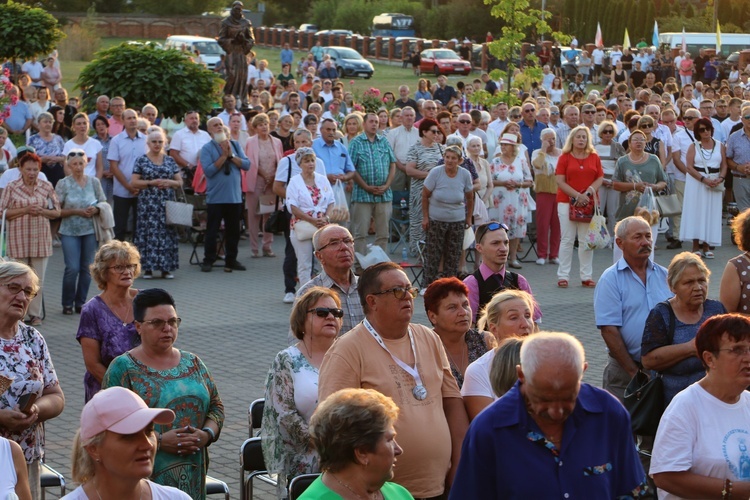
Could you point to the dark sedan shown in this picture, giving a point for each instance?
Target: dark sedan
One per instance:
(349, 62)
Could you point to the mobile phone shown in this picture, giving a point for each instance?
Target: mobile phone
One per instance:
(26, 401)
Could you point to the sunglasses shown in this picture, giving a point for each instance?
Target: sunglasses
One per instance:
(746, 117)
(159, 323)
(555, 114)
(490, 226)
(515, 116)
(323, 312)
(589, 112)
(699, 130)
(530, 110)
(647, 126)
(608, 131)
(691, 118)
(434, 130)
(401, 292)
(465, 122)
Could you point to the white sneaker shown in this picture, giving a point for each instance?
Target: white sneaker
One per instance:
(422, 291)
(289, 298)
(541, 262)
(554, 261)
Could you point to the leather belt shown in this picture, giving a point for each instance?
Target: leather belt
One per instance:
(738, 175)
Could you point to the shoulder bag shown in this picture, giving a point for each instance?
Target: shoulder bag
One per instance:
(644, 396)
(668, 203)
(278, 221)
(179, 213)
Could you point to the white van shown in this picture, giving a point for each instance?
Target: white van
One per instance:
(208, 48)
(730, 42)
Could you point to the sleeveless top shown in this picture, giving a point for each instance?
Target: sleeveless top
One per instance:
(621, 77)
(742, 264)
(8, 477)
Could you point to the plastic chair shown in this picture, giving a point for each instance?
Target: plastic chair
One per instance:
(299, 484)
(50, 478)
(255, 416)
(399, 222)
(216, 487)
(252, 465)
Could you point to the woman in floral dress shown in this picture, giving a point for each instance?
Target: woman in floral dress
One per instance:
(157, 176)
(292, 386)
(511, 203)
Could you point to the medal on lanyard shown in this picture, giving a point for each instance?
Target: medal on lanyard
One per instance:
(420, 391)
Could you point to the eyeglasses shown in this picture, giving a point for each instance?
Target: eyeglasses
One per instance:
(159, 323)
(122, 268)
(529, 110)
(737, 350)
(465, 122)
(14, 288)
(323, 312)
(335, 243)
(589, 112)
(515, 116)
(554, 113)
(608, 131)
(401, 292)
(430, 108)
(691, 118)
(73, 154)
(746, 117)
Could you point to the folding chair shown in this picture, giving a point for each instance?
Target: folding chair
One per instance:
(299, 484)
(255, 416)
(531, 235)
(252, 465)
(399, 223)
(198, 230)
(50, 478)
(216, 487)
(416, 269)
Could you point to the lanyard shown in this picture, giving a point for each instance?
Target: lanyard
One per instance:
(420, 392)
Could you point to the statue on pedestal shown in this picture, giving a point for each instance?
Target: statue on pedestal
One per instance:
(236, 38)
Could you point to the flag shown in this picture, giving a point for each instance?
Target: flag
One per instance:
(718, 38)
(598, 39)
(655, 38)
(626, 42)
(684, 41)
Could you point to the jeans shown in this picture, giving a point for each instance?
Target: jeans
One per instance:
(231, 213)
(121, 212)
(78, 252)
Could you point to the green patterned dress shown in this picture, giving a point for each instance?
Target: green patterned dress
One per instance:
(187, 389)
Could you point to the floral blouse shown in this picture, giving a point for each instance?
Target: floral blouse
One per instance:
(72, 195)
(25, 359)
(291, 398)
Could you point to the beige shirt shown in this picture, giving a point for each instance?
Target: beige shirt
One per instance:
(357, 360)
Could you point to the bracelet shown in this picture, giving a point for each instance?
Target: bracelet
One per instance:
(211, 433)
(701, 179)
(158, 442)
(726, 493)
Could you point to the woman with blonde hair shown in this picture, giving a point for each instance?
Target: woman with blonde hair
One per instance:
(503, 373)
(579, 176)
(353, 126)
(609, 150)
(509, 314)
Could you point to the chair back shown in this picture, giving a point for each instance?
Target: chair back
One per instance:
(255, 415)
(251, 455)
(299, 484)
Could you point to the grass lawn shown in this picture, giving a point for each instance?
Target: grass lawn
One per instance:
(386, 77)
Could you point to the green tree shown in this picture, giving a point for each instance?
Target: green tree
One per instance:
(26, 32)
(178, 7)
(144, 73)
(690, 11)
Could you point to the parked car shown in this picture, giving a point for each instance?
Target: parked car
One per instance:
(732, 59)
(209, 49)
(308, 28)
(349, 62)
(335, 32)
(443, 62)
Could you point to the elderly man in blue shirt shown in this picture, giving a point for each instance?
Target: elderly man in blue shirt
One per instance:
(550, 436)
(222, 160)
(624, 296)
(333, 153)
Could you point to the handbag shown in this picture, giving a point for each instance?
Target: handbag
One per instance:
(179, 213)
(278, 221)
(644, 396)
(668, 203)
(303, 230)
(582, 214)
(267, 204)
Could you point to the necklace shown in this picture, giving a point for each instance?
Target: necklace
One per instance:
(374, 495)
(460, 367)
(122, 316)
(140, 489)
(636, 160)
(704, 150)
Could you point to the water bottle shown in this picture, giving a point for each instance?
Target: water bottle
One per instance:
(404, 208)
(404, 254)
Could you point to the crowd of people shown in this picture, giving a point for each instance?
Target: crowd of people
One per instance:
(352, 393)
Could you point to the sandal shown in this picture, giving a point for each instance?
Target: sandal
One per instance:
(699, 253)
(562, 283)
(708, 255)
(588, 284)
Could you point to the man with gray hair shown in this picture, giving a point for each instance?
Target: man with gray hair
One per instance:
(401, 139)
(568, 439)
(624, 296)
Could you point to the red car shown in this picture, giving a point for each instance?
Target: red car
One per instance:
(443, 62)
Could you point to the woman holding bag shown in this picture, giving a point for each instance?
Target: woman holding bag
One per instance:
(157, 176)
(309, 198)
(579, 175)
(704, 187)
(264, 152)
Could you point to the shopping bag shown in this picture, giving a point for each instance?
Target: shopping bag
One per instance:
(340, 210)
(598, 236)
(647, 208)
(468, 237)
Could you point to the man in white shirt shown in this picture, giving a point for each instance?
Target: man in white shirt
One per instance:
(707, 110)
(614, 55)
(260, 73)
(401, 139)
(735, 105)
(598, 56)
(334, 112)
(570, 121)
(230, 107)
(327, 92)
(292, 104)
(33, 68)
(187, 142)
(501, 121)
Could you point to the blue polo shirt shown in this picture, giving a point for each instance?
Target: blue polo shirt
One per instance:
(19, 113)
(505, 454)
(335, 156)
(531, 136)
(222, 188)
(621, 299)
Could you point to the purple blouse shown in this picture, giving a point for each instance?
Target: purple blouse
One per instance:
(98, 322)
